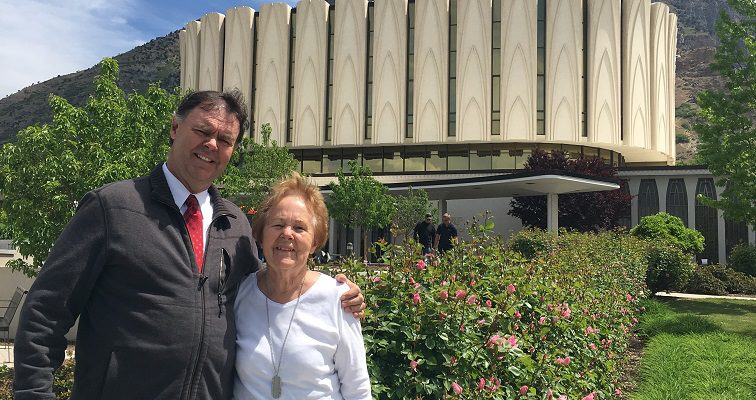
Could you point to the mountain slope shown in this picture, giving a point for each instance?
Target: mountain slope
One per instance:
(155, 61)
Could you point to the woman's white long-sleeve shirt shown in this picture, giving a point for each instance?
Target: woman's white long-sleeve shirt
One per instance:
(324, 356)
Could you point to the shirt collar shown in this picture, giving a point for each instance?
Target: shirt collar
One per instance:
(180, 192)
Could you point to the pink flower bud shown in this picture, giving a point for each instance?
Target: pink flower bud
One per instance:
(420, 265)
(517, 315)
(413, 365)
(471, 299)
(460, 294)
(416, 298)
(456, 388)
(524, 389)
(482, 384)
(511, 288)
(443, 295)
(489, 304)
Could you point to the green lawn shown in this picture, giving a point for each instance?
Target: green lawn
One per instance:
(698, 349)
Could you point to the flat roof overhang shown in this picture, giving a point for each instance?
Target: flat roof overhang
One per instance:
(550, 183)
(524, 183)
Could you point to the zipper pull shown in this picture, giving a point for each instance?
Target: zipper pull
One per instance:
(202, 280)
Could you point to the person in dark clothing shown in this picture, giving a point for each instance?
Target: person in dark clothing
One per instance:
(446, 234)
(424, 233)
(150, 267)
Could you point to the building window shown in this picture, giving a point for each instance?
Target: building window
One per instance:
(624, 217)
(496, 68)
(369, 72)
(706, 221)
(583, 115)
(452, 68)
(329, 77)
(292, 57)
(736, 232)
(648, 198)
(541, 72)
(677, 200)
(252, 104)
(410, 68)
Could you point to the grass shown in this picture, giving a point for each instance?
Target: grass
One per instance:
(698, 349)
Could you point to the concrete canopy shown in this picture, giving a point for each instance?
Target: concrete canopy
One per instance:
(550, 183)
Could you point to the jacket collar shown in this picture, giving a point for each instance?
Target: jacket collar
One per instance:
(162, 193)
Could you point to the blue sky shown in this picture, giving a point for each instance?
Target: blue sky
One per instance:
(41, 39)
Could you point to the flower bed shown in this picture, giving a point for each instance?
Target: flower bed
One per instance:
(483, 322)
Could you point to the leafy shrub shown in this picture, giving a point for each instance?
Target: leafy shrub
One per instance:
(681, 138)
(743, 259)
(669, 229)
(685, 110)
(530, 242)
(668, 268)
(6, 382)
(482, 322)
(704, 282)
(62, 381)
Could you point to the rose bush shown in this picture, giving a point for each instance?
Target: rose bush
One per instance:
(484, 322)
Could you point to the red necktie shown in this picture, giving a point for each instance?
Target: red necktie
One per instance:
(193, 219)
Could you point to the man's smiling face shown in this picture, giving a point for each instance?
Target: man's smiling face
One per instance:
(203, 143)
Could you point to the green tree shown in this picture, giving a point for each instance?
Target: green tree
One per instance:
(254, 169)
(726, 131)
(50, 167)
(408, 209)
(669, 230)
(359, 200)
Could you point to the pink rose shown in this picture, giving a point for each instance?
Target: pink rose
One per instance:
(460, 294)
(413, 365)
(416, 298)
(511, 288)
(443, 295)
(420, 265)
(512, 341)
(589, 397)
(456, 388)
(489, 304)
(524, 389)
(471, 299)
(482, 384)
(517, 315)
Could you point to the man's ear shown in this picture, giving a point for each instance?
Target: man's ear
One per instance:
(174, 127)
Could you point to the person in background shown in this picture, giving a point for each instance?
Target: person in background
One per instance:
(149, 266)
(293, 340)
(446, 234)
(424, 233)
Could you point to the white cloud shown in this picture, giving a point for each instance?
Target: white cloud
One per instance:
(45, 38)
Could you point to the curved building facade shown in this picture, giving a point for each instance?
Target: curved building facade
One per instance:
(446, 85)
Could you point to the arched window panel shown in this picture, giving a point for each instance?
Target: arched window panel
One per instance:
(677, 199)
(736, 232)
(648, 198)
(706, 221)
(624, 218)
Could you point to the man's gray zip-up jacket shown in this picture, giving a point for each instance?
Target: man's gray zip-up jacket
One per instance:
(150, 326)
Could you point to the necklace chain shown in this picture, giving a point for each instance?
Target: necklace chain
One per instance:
(275, 389)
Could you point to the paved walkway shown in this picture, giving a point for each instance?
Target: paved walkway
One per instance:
(702, 296)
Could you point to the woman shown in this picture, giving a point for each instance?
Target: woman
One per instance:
(293, 339)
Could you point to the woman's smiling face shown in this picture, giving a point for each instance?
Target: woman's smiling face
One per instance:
(288, 236)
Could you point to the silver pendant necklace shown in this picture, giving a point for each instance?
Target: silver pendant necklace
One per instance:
(275, 384)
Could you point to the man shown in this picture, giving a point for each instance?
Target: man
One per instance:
(424, 233)
(446, 234)
(151, 272)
